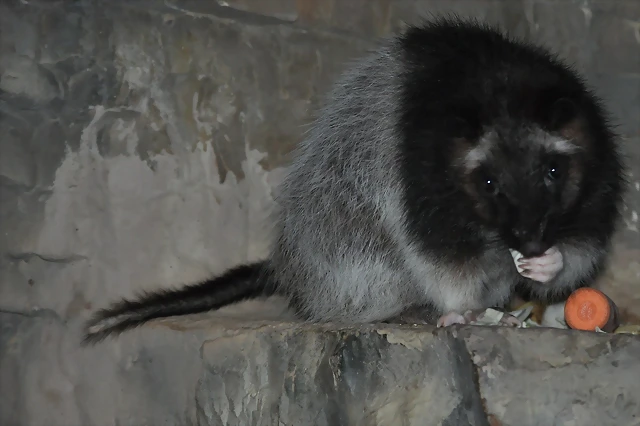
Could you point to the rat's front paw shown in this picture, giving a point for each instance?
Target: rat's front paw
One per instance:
(542, 268)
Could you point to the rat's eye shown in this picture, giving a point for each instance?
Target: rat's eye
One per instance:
(554, 171)
(489, 186)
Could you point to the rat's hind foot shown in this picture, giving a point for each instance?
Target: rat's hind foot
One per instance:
(451, 318)
(423, 315)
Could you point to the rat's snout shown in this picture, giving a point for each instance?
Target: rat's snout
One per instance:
(528, 225)
(529, 241)
(532, 249)
(525, 235)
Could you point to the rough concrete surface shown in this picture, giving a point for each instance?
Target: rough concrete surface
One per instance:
(222, 370)
(140, 145)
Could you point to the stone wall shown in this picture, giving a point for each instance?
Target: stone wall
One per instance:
(141, 140)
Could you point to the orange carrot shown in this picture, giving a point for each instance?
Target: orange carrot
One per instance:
(588, 308)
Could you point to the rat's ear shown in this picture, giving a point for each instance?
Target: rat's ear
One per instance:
(562, 112)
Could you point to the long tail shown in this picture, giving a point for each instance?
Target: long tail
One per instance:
(241, 283)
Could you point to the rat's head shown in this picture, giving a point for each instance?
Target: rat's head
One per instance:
(524, 173)
(509, 127)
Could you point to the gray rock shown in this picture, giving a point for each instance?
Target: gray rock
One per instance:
(217, 370)
(412, 376)
(331, 376)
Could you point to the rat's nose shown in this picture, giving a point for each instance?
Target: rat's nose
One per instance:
(529, 241)
(532, 249)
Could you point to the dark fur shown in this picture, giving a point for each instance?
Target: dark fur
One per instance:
(387, 208)
(236, 285)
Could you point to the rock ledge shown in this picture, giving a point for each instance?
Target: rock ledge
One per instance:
(212, 371)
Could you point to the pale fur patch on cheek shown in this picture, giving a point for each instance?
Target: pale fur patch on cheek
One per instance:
(562, 146)
(564, 143)
(474, 158)
(574, 132)
(478, 154)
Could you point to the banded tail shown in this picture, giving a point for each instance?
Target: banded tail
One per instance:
(238, 284)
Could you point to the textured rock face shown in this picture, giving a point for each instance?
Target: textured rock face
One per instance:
(212, 370)
(140, 143)
(396, 376)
